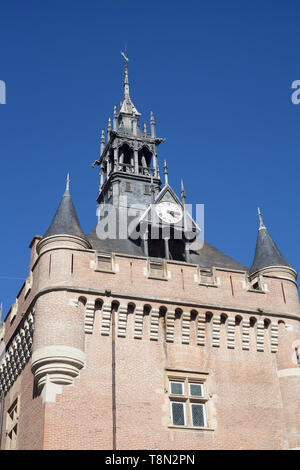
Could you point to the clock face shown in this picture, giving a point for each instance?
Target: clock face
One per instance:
(169, 212)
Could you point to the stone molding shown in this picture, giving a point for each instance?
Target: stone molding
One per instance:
(58, 364)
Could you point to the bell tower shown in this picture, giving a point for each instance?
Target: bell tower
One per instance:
(128, 157)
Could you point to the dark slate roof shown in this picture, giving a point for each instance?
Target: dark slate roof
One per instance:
(266, 252)
(207, 256)
(65, 220)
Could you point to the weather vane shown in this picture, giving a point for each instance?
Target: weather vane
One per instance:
(124, 54)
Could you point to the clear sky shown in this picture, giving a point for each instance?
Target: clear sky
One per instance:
(218, 77)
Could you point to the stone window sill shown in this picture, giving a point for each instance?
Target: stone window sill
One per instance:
(190, 428)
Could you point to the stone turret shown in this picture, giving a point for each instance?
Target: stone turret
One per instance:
(267, 256)
(58, 349)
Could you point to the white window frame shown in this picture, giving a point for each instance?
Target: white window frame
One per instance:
(176, 382)
(184, 412)
(202, 390)
(204, 413)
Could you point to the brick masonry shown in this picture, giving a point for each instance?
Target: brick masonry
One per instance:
(241, 339)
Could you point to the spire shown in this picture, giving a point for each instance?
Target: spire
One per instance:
(126, 82)
(266, 252)
(68, 182)
(152, 125)
(183, 195)
(261, 224)
(102, 145)
(65, 221)
(166, 172)
(127, 107)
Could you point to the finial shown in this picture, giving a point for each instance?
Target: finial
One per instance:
(126, 81)
(68, 182)
(145, 128)
(183, 195)
(261, 224)
(166, 172)
(109, 125)
(152, 125)
(115, 118)
(102, 145)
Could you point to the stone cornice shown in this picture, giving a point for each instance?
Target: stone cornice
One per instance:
(162, 300)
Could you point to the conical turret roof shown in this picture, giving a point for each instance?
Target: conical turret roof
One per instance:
(266, 251)
(65, 220)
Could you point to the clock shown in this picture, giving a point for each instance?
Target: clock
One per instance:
(169, 212)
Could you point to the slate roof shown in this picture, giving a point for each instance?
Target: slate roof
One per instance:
(65, 220)
(207, 256)
(266, 252)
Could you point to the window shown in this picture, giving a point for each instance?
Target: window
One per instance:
(207, 277)
(187, 399)
(104, 262)
(157, 269)
(178, 413)
(12, 425)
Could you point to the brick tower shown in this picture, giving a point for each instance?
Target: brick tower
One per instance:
(138, 335)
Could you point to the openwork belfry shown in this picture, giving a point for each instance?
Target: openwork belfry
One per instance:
(155, 341)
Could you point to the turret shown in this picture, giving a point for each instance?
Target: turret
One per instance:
(58, 346)
(267, 258)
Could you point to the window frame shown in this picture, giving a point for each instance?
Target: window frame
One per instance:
(204, 414)
(187, 379)
(184, 412)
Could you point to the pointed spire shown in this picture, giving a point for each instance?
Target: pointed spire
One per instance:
(183, 195)
(127, 107)
(152, 125)
(115, 118)
(68, 182)
(145, 128)
(108, 128)
(261, 224)
(102, 145)
(166, 172)
(266, 252)
(65, 221)
(126, 82)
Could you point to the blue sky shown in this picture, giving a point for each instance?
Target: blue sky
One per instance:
(218, 77)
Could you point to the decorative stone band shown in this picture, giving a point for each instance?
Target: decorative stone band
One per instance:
(216, 325)
(201, 329)
(17, 355)
(185, 328)
(230, 333)
(89, 316)
(122, 321)
(274, 337)
(260, 337)
(57, 364)
(245, 334)
(292, 372)
(138, 322)
(170, 322)
(106, 319)
(154, 324)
